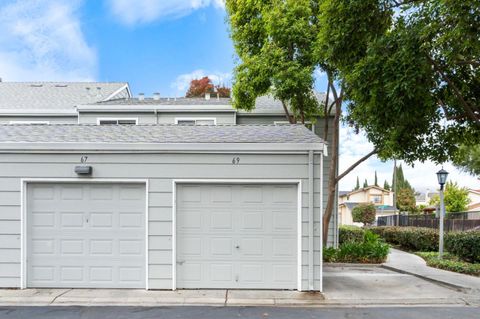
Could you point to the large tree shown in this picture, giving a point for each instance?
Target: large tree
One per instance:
(468, 159)
(280, 43)
(456, 198)
(416, 93)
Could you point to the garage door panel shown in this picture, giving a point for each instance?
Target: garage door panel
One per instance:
(238, 245)
(95, 241)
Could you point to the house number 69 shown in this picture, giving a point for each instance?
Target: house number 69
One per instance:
(236, 160)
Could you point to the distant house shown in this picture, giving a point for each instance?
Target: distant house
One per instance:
(474, 195)
(424, 198)
(380, 197)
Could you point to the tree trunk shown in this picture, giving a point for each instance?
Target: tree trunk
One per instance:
(287, 113)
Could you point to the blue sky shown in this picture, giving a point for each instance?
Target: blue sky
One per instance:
(155, 45)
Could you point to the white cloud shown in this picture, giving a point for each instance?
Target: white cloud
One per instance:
(43, 40)
(182, 82)
(421, 176)
(144, 11)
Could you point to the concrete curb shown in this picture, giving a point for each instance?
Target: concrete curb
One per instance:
(436, 281)
(351, 265)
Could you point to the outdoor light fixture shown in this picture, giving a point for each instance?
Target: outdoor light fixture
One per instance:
(442, 179)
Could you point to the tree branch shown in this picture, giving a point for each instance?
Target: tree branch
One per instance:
(468, 109)
(287, 113)
(354, 165)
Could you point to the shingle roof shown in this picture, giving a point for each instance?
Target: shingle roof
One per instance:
(155, 134)
(53, 95)
(263, 104)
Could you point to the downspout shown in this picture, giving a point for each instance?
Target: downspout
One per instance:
(322, 154)
(310, 222)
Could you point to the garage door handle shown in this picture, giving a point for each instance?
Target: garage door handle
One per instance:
(180, 262)
(238, 247)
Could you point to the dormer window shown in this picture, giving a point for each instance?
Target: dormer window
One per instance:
(195, 121)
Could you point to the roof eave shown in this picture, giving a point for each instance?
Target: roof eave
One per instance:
(214, 147)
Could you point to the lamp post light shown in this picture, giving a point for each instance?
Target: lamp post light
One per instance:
(442, 179)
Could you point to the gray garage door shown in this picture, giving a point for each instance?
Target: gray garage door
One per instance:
(86, 235)
(237, 236)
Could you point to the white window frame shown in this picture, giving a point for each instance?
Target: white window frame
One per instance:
(214, 119)
(100, 119)
(287, 122)
(30, 122)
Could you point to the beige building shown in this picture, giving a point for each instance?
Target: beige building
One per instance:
(380, 197)
(474, 195)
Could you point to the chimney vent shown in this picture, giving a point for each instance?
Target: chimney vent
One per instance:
(207, 96)
(141, 96)
(156, 96)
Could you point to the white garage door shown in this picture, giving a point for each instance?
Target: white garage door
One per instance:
(237, 236)
(86, 235)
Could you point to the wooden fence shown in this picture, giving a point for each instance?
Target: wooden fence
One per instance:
(454, 222)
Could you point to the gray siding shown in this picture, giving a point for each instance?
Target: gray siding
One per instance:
(159, 169)
(319, 127)
(160, 118)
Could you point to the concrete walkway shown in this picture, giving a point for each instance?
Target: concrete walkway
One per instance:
(138, 297)
(411, 264)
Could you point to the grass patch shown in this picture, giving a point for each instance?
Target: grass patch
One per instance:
(450, 262)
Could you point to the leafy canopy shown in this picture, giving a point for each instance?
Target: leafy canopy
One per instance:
(364, 213)
(456, 198)
(416, 92)
(468, 159)
(274, 40)
(198, 88)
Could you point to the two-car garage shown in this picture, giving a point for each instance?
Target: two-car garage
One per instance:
(178, 208)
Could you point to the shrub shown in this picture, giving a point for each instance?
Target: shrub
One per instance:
(350, 234)
(450, 262)
(369, 250)
(409, 238)
(364, 213)
(465, 245)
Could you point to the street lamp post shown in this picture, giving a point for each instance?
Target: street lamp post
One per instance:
(442, 179)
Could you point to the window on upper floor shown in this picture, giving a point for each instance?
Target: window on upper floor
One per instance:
(195, 121)
(376, 199)
(117, 121)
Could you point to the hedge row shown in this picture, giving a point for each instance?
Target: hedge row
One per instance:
(409, 238)
(349, 234)
(367, 249)
(465, 245)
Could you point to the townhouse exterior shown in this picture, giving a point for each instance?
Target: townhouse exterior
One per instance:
(100, 189)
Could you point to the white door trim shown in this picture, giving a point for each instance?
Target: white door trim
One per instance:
(23, 217)
(297, 182)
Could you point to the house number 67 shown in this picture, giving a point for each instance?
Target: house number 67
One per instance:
(236, 160)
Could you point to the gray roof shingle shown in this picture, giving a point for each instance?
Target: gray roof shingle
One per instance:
(53, 95)
(155, 134)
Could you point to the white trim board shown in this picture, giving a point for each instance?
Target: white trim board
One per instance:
(23, 217)
(297, 182)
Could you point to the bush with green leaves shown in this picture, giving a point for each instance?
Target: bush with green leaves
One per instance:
(409, 238)
(364, 213)
(349, 233)
(465, 245)
(370, 250)
(450, 262)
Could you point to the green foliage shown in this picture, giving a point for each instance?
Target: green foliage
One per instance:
(465, 245)
(409, 238)
(369, 250)
(416, 91)
(468, 159)
(364, 213)
(406, 200)
(450, 262)
(348, 233)
(275, 43)
(386, 185)
(401, 181)
(365, 183)
(357, 186)
(456, 198)
(376, 179)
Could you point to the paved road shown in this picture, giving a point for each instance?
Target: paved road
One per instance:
(57, 312)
